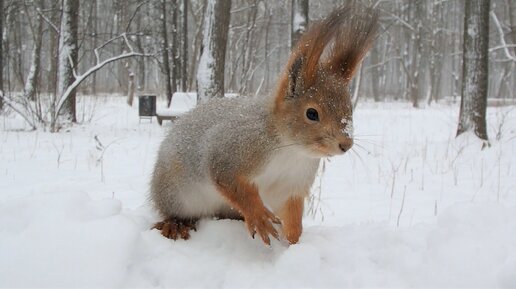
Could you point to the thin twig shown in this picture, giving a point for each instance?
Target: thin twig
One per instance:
(48, 21)
(402, 205)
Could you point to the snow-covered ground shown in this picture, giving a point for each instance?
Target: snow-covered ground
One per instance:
(411, 206)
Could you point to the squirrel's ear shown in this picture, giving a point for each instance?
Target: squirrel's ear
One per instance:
(345, 62)
(354, 28)
(354, 41)
(295, 79)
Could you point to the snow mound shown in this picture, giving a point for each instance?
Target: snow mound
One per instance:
(181, 103)
(70, 240)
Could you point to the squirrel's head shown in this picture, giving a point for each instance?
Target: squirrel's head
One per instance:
(313, 105)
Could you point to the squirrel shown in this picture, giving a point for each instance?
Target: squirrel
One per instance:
(255, 159)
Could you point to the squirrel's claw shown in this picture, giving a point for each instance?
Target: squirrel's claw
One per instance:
(273, 218)
(262, 223)
(266, 240)
(275, 235)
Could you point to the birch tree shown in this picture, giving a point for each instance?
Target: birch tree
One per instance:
(184, 45)
(165, 58)
(198, 13)
(67, 58)
(94, 32)
(54, 46)
(141, 60)
(475, 69)
(175, 47)
(37, 29)
(210, 72)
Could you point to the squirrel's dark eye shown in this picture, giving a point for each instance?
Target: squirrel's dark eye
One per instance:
(312, 114)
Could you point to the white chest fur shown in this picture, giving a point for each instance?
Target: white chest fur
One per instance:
(288, 172)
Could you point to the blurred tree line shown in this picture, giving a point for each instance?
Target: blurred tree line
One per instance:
(417, 56)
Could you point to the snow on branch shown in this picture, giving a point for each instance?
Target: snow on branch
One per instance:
(128, 43)
(72, 65)
(504, 45)
(18, 110)
(121, 36)
(79, 78)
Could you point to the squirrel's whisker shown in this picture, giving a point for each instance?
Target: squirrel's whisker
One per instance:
(284, 146)
(361, 160)
(369, 142)
(363, 148)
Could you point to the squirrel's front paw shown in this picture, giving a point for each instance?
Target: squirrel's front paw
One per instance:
(261, 221)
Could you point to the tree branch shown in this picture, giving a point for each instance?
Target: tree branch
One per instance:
(124, 35)
(134, 15)
(17, 110)
(504, 45)
(48, 21)
(80, 78)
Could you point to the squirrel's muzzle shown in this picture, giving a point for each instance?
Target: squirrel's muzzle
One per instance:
(345, 144)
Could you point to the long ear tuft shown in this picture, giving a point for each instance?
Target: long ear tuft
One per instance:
(338, 43)
(352, 40)
(295, 78)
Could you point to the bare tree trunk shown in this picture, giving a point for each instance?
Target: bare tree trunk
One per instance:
(54, 47)
(436, 54)
(68, 57)
(31, 84)
(166, 63)
(266, 48)
(95, 38)
(6, 47)
(416, 55)
(130, 91)
(475, 69)
(140, 60)
(17, 41)
(248, 50)
(197, 43)
(456, 47)
(506, 84)
(210, 73)
(122, 71)
(299, 20)
(423, 50)
(184, 46)
(175, 47)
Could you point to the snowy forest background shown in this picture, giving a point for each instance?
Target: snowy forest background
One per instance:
(417, 57)
(411, 205)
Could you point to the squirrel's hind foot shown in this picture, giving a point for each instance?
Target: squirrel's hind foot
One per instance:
(175, 228)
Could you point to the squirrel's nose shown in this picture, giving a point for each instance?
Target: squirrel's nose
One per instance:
(346, 144)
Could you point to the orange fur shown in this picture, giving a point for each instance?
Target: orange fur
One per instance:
(244, 196)
(291, 215)
(176, 228)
